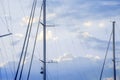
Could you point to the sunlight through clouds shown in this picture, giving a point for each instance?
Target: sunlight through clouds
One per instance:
(25, 20)
(101, 25)
(49, 36)
(86, 34)
(19, 35)
(88, 24)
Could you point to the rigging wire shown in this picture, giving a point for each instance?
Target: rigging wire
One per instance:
(57, 49)
(101, 74)
(11, 37)
(2, 59)
(35, 43)
(49, 77)
(5, 16)
(0, 74)
(22, 9)
(6, 23)
(9, 13)
(25, 40)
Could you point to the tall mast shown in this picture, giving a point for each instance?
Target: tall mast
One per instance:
(44, 39)
(114, 62)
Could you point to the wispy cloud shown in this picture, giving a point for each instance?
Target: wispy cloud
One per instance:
(95, 43)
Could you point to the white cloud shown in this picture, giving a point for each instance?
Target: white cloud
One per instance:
(19, 35)
(55, 38)
(88, 24)
(49, 36)
(25, 20)
(92, 57)
(108, 79)
(65, 57)
(2, 64)
(70, 57)
(94, 24)
(51, 16)
(86, 34)
(101, 25)
(27, 59)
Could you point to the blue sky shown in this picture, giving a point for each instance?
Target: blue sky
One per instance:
(80, 36)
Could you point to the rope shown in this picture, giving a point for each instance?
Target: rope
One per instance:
(101, 74)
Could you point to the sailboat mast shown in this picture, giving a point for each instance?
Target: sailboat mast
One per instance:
(44, 39)
(114, 62)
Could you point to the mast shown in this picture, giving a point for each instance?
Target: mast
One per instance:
(114, 62)
(44, 39)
